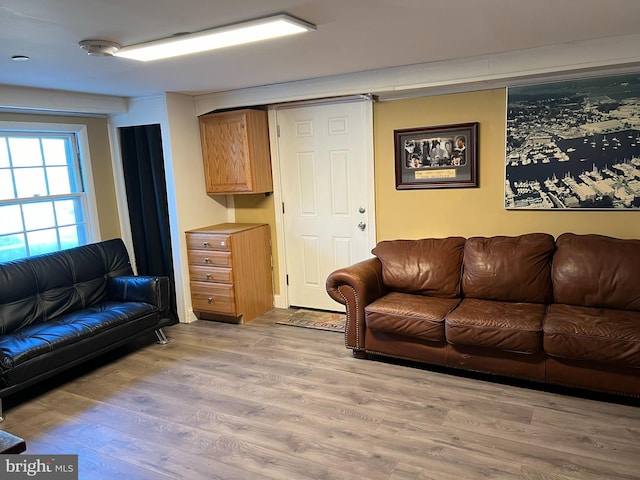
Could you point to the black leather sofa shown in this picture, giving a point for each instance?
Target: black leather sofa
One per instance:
(60, 309)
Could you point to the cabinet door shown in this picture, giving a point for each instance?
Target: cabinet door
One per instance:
(225, 149)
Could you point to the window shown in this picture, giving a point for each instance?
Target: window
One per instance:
(43, 201)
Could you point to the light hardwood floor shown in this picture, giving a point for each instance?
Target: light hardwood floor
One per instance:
(267, 401)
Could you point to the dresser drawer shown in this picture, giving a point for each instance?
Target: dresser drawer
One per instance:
(207, 241)
(214, 298)
(231, 271)
(212, 258)
(210, 274)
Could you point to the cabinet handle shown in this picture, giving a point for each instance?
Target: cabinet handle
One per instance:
(206, 260)
(208, 276)
(205, 244)
(210, 299)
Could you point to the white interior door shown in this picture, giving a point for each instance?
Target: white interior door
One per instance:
(326, 174)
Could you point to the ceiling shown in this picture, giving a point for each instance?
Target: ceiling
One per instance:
(351, 36)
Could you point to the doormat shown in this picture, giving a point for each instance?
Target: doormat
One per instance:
(330, 321)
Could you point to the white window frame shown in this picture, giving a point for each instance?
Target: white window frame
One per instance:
(84, 158)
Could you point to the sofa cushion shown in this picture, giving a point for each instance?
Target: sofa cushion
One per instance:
(429, 266)
(29, 342)
(593, 334)
(597, 271)
(40, 288)
(410, 315)
(506, 326)
(509, 269)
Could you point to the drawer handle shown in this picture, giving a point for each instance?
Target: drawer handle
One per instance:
(208, 276)
(206, 260)
(205, 244)
(210, 299)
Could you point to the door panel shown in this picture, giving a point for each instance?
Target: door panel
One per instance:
(325, 161)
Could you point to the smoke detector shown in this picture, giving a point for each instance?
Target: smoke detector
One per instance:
(99, 48)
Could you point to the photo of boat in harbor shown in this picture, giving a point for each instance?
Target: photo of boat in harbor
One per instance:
(574, 144)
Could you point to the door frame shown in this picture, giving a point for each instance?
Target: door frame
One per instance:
(281, 300)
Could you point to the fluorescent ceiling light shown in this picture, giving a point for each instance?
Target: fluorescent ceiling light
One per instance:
(237, 34)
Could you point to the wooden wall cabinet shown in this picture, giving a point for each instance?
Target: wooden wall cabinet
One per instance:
(235, 151)
(230, 271)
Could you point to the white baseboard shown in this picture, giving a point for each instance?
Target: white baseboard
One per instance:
(279, 302)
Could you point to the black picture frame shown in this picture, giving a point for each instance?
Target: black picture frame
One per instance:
(443, 156)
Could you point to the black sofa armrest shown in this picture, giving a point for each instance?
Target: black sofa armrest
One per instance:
(148, 289)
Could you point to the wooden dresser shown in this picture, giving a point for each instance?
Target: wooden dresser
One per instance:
(230, 271)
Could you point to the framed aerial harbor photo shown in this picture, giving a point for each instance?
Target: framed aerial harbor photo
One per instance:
(574, 144)
(436, 157)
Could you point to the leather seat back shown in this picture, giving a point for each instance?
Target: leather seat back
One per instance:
(597, 271)
(429, 266)
(43, 287)
(509, 269)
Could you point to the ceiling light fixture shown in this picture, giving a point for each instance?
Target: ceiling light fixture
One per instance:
(236, 34)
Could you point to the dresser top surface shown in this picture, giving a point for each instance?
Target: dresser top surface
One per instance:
(227, 228)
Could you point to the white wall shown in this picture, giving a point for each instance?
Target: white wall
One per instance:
(186, 189)
(41, 100)
(569, 60)
(189, 206)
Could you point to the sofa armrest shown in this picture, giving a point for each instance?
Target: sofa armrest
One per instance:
(148, 289)
(356, 287)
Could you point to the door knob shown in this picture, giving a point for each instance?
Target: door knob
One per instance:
(361, 210)
(362, 225)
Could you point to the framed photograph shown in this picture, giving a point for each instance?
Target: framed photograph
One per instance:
(574, 145)
(436, 157)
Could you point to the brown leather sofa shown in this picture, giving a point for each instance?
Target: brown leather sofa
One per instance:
(564, 311)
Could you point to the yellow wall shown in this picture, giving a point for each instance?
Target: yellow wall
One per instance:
(468, 211)
(260, 209)
(101, 166)
(456, 211)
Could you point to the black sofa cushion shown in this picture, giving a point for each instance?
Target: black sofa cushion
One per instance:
(37, 289)
(34, 340)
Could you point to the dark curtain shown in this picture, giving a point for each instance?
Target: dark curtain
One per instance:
(143, 167)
